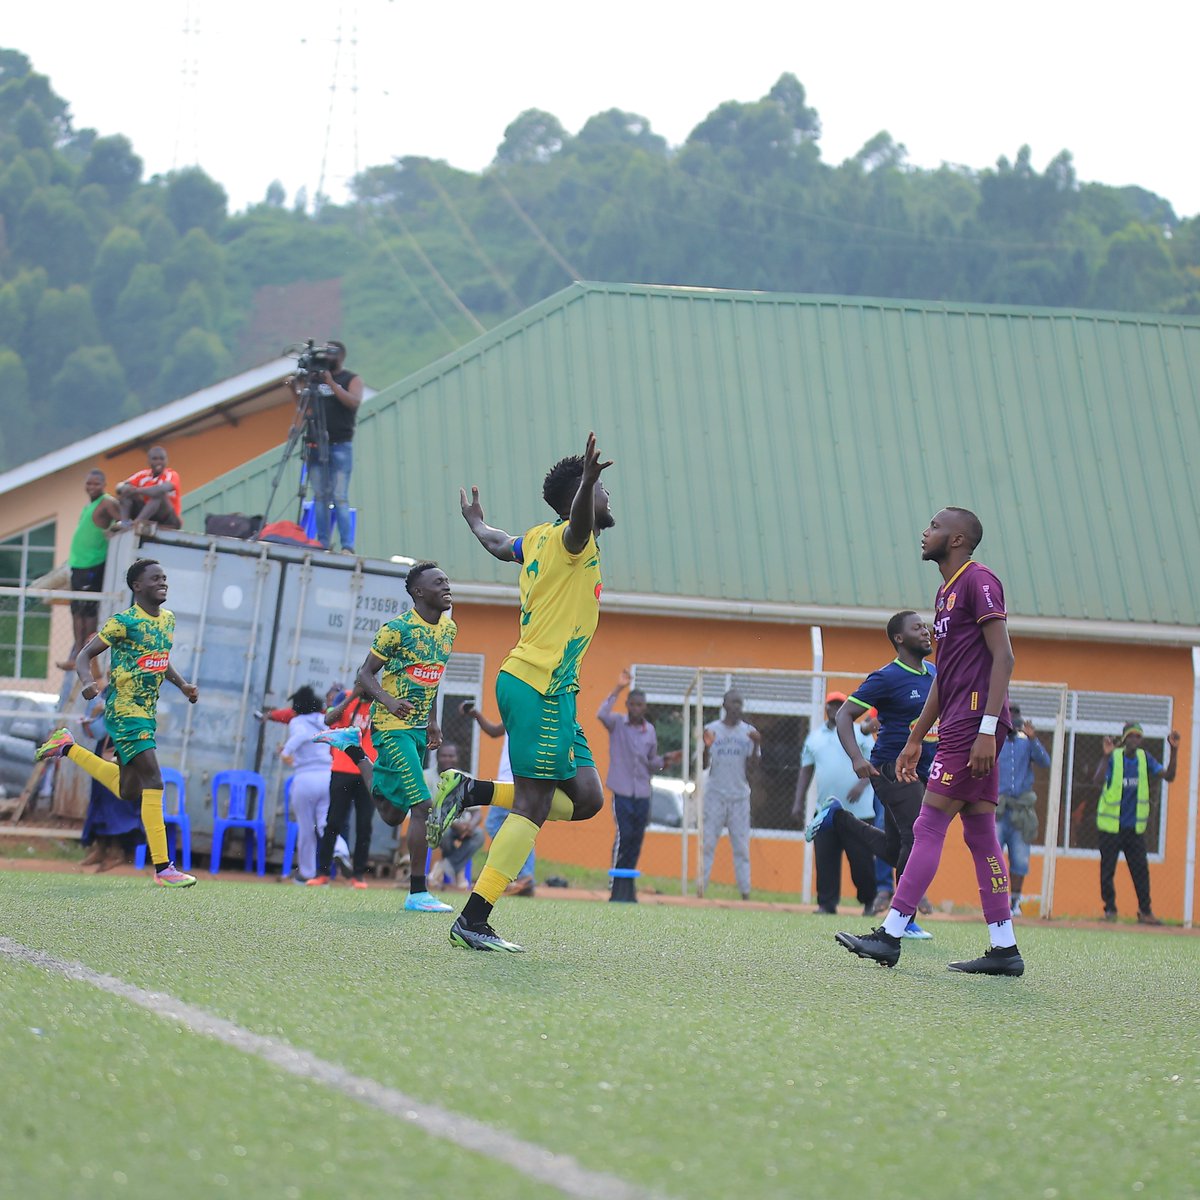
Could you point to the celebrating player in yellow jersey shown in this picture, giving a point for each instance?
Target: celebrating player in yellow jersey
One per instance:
(140, 639)
(412, 652)
(554, 776)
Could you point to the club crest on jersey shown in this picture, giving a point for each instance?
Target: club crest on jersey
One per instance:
(426, 674)
(156, 661)
(950, 600)
(599, 589)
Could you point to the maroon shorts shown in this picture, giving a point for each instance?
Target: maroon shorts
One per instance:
(950, 772)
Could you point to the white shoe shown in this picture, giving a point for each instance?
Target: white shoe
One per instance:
(1016, 907)
(341, 855)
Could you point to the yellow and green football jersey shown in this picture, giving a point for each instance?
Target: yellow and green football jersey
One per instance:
(414, 655)
(140, 648)
(560, 608)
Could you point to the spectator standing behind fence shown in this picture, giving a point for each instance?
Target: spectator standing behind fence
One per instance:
(825, 757)
(523, 885)
(1016, 812)
(310, 778)
(155, 493)
(633, 758)
(464, 837)
(339, 393)
(730, 747)
(89, 551)
(1122, 812)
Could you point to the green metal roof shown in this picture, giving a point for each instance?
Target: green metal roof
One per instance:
(792, 448)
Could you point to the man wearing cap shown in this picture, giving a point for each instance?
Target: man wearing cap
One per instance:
(824, 757)
(1016, 814)
(1123, 809)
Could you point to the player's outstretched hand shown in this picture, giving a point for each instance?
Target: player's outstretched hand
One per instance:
(983, 755)
(906, 764)
(1108, 744)
(592, 466)
(1173, 739)
(472, 510)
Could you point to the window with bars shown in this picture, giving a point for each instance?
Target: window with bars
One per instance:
(780, 706)
(25, 622)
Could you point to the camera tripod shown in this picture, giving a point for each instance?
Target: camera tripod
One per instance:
(310, 433)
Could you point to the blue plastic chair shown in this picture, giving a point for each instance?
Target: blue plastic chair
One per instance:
(238, 815)
(308, 520)
(176, 821)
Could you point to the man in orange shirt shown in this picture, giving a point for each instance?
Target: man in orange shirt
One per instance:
(154, 493)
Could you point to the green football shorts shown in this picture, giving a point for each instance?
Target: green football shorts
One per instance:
(131, 735)
(545, 741)
(400, 767)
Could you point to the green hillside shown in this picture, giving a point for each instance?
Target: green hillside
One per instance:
(118, 293)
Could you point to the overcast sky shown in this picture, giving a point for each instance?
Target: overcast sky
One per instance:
(243, 87)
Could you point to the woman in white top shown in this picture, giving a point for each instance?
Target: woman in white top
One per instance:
(310, 777)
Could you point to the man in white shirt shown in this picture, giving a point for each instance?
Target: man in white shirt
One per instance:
(730, 747)
(825, 758)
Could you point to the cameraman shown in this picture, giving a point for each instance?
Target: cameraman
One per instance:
(339, 393)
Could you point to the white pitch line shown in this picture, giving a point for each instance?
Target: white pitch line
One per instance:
(559, 1171)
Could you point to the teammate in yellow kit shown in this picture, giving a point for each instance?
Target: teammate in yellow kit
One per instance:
(140, 640)
(554, 775)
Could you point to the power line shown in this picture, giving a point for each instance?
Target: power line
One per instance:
(572, 273)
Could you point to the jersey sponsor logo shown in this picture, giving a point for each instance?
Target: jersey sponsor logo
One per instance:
(426, 674)
(156, 661)
(987, 595)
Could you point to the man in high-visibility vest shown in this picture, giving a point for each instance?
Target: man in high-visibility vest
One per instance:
(1122, 811)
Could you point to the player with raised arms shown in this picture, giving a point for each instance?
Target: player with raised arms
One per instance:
(969, 700)
(140, 640)
(554, 775)
(411, 651)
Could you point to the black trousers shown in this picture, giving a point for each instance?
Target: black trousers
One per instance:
(347, 791)
(632, 814)
(901, 807)
(1134, 846)
(828, 847)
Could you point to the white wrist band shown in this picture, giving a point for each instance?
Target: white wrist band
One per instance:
(988, 725)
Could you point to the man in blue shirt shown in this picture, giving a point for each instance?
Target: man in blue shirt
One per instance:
(898, 692)
(1016, 815)
(1123, 811)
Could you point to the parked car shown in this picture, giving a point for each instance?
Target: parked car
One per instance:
(26, 720)
(666, 801)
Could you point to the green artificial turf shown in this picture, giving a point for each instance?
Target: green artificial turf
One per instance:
(699, 1051)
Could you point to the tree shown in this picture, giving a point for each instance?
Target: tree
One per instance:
(197, 258)
(194, 200)
(276, 196)
(89, 382)
(158, 234)
(615, 127)
(62, 322)
(534, 137)
(17, 184)
(53, 233)
(113, 164)
(137, 324)
(192, 312)
(197, 359)
(16, 393)
(119, 254)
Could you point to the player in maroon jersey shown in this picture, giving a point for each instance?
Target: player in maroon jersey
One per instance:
(969, 700)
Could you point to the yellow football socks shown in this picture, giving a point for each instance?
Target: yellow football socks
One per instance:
(152, 822)
(106, 773)
(510, 848)
(561, 806)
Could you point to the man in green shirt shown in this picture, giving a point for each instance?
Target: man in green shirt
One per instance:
(89, 549)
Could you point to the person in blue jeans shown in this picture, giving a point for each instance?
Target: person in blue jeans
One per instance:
(633, 758)
(1016, 816)
(339, 394)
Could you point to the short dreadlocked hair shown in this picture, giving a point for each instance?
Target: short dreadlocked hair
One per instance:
(562, 482)
(414, 574)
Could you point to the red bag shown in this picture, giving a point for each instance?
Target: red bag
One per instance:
(287, 532)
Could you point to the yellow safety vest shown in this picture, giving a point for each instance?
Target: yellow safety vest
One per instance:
(1108, 811)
